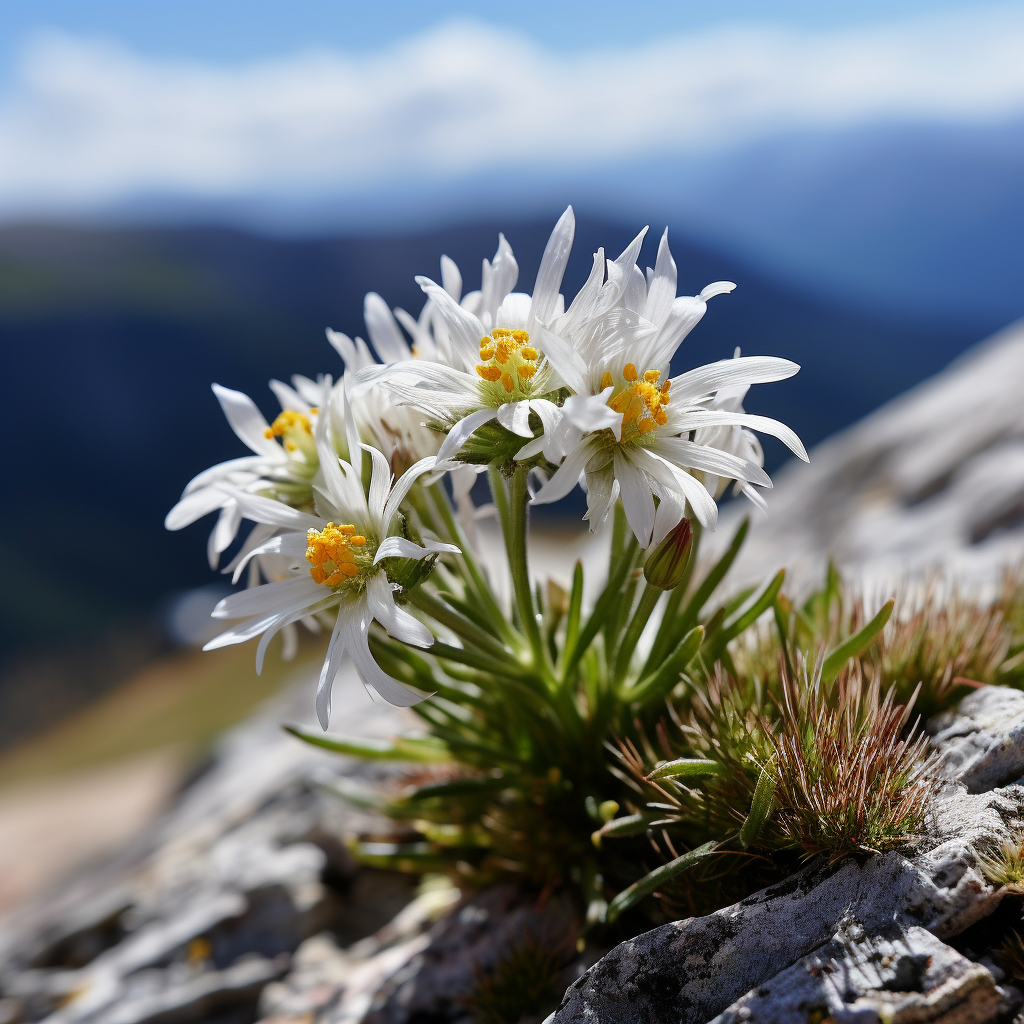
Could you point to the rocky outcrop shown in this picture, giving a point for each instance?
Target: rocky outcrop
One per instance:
(859, 941)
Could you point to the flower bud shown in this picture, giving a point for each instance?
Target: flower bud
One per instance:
(666, 563)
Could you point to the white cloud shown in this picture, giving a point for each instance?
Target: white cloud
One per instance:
(88, 123)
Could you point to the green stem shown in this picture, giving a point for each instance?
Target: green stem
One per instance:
(605, 602)
(516, 544)
(648, 599)
(479, 583)
(469, 631)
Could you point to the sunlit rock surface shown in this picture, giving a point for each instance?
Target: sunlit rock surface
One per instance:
(932, 480)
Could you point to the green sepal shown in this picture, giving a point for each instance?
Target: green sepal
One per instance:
(651, 882)
(857, 644)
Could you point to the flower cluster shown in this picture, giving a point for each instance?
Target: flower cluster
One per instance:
(347, 486)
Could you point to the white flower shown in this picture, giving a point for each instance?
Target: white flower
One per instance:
(397, 431)
(336, 558)
(615, 343)
(487, 364)
(283, 464)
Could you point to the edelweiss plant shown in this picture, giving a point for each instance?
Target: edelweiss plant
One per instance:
(534, 758)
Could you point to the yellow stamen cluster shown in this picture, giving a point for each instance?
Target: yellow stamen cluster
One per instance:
(508, 357)
(641, 401)
(287, 425)
(330, 555)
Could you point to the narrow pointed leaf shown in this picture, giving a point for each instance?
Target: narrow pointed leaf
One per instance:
(651, 882)
(685, 767)
(660, 683)
(761, 808)
(688, 617)
(398, 749)
(857, 644)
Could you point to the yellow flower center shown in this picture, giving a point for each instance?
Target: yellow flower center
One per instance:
(508, 362)
(330, 555)
(641, 401)
(293, 427)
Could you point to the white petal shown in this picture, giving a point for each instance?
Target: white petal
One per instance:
(710, 460)
(400, 547)
(602, 492)
(461, 432)
(224, 532)
(329, 670)
(289, 397)
(715, 418)
(465, 330)
(637, 498)
(246, 420)
(515, 416)
(272, 598)
(385, 334)
(380, 486)
(566, 361)
(194, 506)
(692, 490)
(718, 288)
(591, 412)
(662, 291)
(357, 642)
(451, 278)
(730, 373)
(552, 269)
(294, 544)
(380, 602)
(402, 487)
(568, 474)
(273, 513)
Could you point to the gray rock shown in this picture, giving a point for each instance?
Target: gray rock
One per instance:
(932, 480)
(899, 975)
(204, 910)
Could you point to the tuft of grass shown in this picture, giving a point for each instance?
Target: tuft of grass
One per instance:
(1011, 956)
(773, 775)
(849, 776)
(1005, 866)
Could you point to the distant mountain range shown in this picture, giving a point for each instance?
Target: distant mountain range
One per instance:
(111, 339)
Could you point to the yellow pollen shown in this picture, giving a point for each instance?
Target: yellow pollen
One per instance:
(506, 357)
(287, 421)
(641, 402)
(329, 553)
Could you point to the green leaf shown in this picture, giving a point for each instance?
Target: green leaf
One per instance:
(856, 645)
(630, 825)
(745, 616)
(685, 767)
(474, 786)
(761, 808)
(416, 858)
(398, 749)
(660, 683)
(651, 882)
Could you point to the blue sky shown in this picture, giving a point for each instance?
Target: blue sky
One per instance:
(236, 30)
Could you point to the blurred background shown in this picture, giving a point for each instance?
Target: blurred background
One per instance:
(191, 191)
